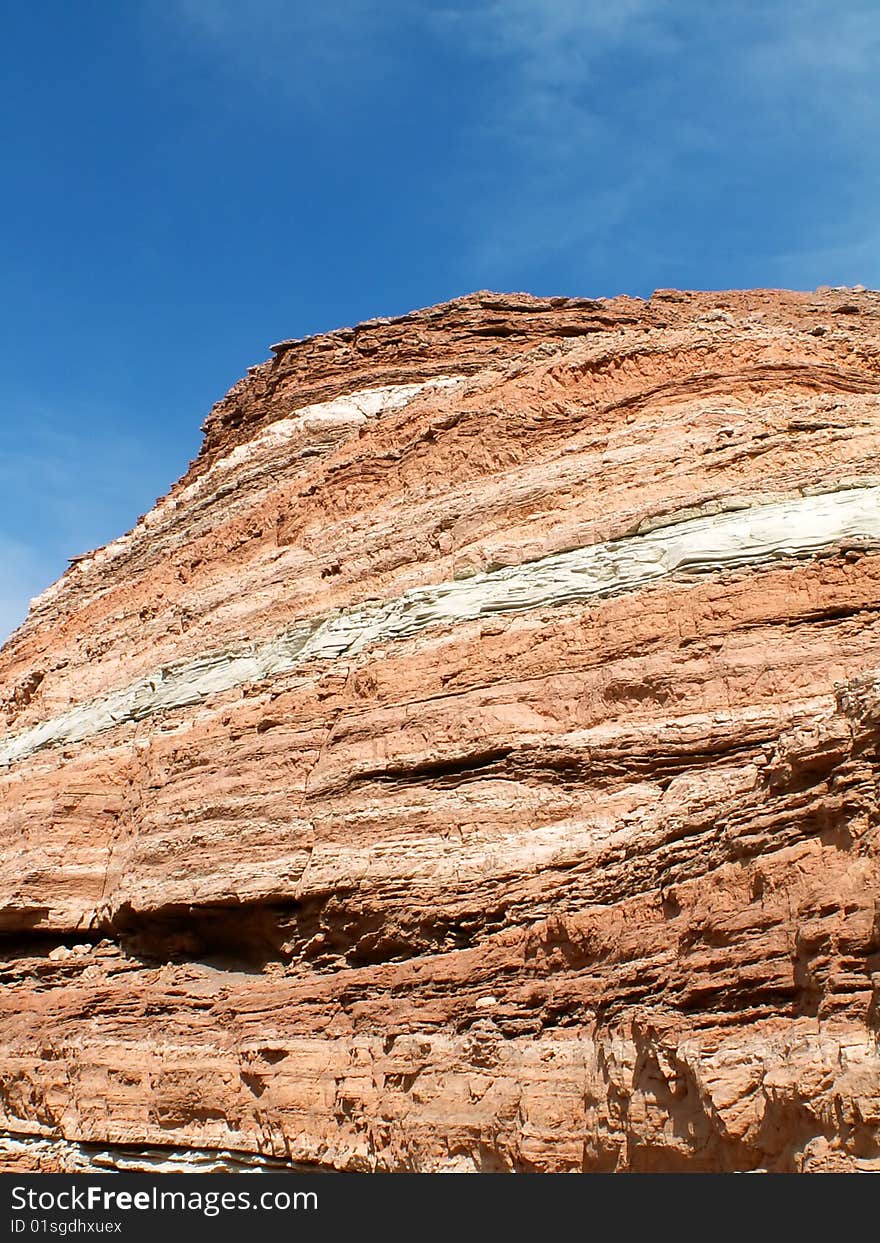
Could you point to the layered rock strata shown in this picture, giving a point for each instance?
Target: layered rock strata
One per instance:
(471, 764)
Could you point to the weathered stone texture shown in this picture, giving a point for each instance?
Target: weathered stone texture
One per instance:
(471, 764)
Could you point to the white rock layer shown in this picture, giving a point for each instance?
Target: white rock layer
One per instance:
(794, 528)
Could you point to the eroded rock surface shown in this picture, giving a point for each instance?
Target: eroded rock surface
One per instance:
(471, 764)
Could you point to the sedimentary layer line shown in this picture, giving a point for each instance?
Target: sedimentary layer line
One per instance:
(36, 1151)
(313, 429)
(760, 533)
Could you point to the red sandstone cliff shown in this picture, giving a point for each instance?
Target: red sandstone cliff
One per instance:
(471, 764)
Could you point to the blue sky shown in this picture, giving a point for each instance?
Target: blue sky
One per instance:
(186, 181)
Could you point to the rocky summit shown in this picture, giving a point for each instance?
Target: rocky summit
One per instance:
(471, 764)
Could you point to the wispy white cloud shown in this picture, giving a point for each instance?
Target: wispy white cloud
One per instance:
(599, 126)
(602, 104)
(572, 126)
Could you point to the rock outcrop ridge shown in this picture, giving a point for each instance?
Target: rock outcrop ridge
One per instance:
(471, 764)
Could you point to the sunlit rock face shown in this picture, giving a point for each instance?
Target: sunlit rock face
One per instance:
(471, 764)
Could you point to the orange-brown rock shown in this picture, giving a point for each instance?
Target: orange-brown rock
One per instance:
(471, 764)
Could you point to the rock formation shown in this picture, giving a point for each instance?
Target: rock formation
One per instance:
(471, 763)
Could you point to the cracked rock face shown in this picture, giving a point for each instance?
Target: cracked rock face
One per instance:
(471, 764)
